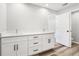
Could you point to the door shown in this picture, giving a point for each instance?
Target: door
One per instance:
(22, 48)
(63, 27)
(8, 49)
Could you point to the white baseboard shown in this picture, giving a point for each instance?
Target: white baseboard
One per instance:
(75, 42)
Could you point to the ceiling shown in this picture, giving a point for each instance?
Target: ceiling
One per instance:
(57, 6)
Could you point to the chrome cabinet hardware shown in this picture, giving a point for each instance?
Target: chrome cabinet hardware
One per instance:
(49, 40)
(35, 50)
(17, 46)
(14, 48)
(35, 37)
(36, 43)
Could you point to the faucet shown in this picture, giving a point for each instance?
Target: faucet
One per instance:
(16, 31)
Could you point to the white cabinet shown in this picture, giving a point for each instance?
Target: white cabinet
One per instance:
(35, 44)
(40, 43)
(14, 46)
(22, 48)
(8, 49)
(26, 45)
(48, 41)
(35, 40)
(35, 50)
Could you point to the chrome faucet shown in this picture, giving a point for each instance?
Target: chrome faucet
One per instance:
(16, 31)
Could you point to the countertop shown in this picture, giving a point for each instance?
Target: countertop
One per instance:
(3, 35)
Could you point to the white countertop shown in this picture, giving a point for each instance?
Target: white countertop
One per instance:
(2, 35)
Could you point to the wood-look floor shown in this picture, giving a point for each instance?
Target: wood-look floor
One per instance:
(61, 50)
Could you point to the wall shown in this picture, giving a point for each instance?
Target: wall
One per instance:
(27, 18)
(51, 22)
(3, 17)
(75, 26)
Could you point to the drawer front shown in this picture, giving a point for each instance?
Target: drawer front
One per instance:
(35, 50)
(34, 37)
(13, 39)
(34, 42)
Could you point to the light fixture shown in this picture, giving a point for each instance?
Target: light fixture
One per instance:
(46, 4)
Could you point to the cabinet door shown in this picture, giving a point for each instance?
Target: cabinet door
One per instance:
(8, 49)
(22, 48)
(48, 42)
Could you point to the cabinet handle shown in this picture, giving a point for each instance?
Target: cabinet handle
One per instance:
(35, 37)
(17, 46)
(14, 48)
(35, 50)
(49, 40)
(36, 43)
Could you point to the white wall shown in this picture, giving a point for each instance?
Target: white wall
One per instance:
(75, 26)
(51, 22)
(3, 17)
(27, 18)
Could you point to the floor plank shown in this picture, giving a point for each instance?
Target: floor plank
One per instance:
(61, 50)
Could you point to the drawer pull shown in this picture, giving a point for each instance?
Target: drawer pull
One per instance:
(35, 50)
(36, 43)
(17, 46)
(35, 37)
(14, 48)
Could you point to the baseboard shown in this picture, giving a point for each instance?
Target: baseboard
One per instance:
(75, 42)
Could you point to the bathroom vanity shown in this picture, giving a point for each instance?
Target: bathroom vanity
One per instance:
(26, 44)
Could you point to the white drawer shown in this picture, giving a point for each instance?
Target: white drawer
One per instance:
(35, 42)
(33, 37)
(12, 39)
(35, 50)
